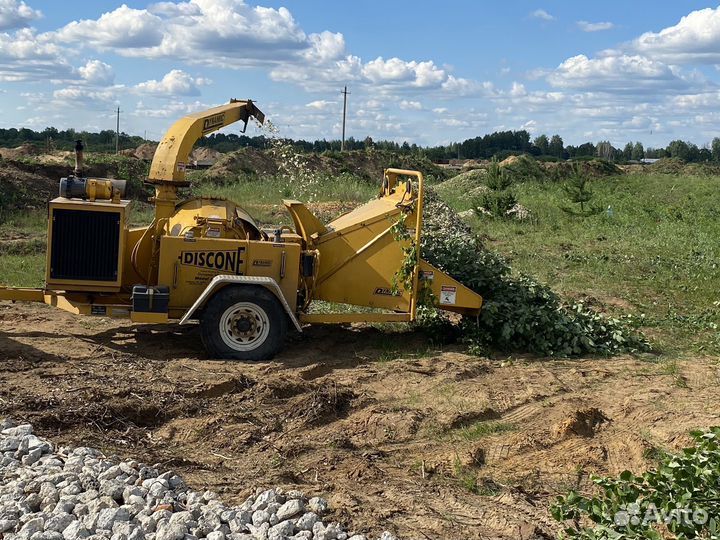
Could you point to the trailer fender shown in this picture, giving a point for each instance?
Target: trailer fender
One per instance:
(218, 282)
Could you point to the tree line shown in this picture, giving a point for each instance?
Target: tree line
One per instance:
(53, 139)
(499, 144)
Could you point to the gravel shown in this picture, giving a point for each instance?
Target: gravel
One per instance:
(77, 493)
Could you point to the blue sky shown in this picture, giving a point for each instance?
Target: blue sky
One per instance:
(425, 72)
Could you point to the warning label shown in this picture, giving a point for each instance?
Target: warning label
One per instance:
(448, 295)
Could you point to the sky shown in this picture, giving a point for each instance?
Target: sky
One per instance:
(419, 71)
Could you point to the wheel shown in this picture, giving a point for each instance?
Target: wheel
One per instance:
(243, 323)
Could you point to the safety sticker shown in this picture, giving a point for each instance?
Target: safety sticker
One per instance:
(181, 165)
(448, 295)
(428, 275)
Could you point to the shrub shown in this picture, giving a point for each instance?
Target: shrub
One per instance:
(680, 496)
(495, 203)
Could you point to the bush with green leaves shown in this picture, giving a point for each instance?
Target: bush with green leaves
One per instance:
(519, 314)
(679, 499)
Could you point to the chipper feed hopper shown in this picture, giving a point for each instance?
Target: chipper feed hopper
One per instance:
(207, 260)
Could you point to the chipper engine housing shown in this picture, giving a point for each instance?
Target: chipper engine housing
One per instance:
(207, 260)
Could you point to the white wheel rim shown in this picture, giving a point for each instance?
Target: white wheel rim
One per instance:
(244, 326)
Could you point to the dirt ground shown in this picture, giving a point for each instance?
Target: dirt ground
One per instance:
(432, 444)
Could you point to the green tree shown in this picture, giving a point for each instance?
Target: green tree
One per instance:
(638, 152)
(499, 200)
(542, 144)
(679, 149)
(605, 150)
(627, 151)
(555, 148)
(716, 149)
(577, 192)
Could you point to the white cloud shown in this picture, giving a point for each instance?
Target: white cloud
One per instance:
(542, 15)
(394, 70)
(325, 47)
(453, 122)
(408, 105)
(458, 86)
(227, 33)
(25, 56)
(320, 104)
(615, 73)
(14, 14)
(586, 26)
(173, 109)
(97, 72)
(440, 110)
(122, 29)
(374, 104)
(695, 39)
(518, 90)
(76, 96)
(175, 83)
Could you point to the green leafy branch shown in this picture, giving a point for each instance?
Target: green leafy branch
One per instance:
(681, 497)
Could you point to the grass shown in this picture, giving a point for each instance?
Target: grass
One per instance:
(24, 222)
(480, 430)
(654, 254)
(23, 270)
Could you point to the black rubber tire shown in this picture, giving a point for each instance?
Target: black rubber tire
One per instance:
(224, 300)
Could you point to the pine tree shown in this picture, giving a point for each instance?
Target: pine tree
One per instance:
(577, 192)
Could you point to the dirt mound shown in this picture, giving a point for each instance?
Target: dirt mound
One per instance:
(472, 164)
(205, 154)
(511, 160)
(678, 167)
(368, 165)
(581, 423)
(22, 187)
(471, 183)
(145, 151)
(594, 168)
(242, 163)
(522, 168)
(21, 151)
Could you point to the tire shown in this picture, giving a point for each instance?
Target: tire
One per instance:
(243, 323)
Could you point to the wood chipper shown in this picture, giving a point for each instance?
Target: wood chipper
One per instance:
(207, 260)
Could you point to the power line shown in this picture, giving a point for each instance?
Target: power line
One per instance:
(117, 132)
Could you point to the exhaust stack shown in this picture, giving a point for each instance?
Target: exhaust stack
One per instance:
(78, 157)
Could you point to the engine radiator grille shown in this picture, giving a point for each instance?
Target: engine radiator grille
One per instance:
(85, 245)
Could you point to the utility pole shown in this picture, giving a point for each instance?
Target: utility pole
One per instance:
(117, 132)
(345, 95)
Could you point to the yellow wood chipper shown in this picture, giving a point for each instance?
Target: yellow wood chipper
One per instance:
(207, 260)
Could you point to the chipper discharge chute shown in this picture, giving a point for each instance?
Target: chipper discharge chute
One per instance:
(207, 260)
